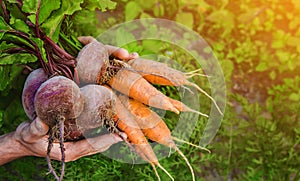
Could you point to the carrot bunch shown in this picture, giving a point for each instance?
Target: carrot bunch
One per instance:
(131, 81)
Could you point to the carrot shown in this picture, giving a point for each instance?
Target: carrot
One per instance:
(95, 67)
(153, 126)
(135, 86)
(126, 123)
(184, 108)
(160, 73)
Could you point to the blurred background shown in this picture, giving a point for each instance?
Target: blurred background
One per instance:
(257, 43)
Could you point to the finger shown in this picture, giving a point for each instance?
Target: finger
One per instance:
(30, 132)
(133, 55)
(89, 146)
(86, 39)
(121, 53)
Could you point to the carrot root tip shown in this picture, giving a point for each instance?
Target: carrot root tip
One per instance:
(198, 112)
(205, 93)
(155, 171)
(187, 162)
(196, 146)
(195, 71)
(163, 169)
(196, 74)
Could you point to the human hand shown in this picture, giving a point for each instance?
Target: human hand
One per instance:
(33, 140)
(117, 52)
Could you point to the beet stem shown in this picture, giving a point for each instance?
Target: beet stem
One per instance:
(37, 30)
(6, 14)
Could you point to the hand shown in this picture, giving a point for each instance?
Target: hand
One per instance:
(117, 52)
(31, 139)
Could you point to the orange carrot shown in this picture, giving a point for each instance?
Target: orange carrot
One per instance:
(184, 108)
(94, 67)
(134, 85)
(160, 73)
(153, 126)
(126, 122)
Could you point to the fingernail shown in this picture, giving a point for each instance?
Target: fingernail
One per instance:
(134, 55)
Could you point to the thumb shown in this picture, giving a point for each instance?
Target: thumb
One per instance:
(30, 132)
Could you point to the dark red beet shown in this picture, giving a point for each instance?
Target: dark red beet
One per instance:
(99, 107)
(71, 130)
(56, 101)
(58, 97)
(91, 59)
(32, 83)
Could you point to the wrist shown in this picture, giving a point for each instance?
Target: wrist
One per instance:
(11, 148)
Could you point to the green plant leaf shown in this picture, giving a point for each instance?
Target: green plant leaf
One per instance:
(224, 18)
(12, 38)
(262, 66)
(40, 45)
(3, 27)
(159, 10)
(123, 37)
(18, 58)
(107, 4)
(7, 75)
(272, 75)
(53, 24)
(280, 38)
(47, 6)
(12, 1)
(103, 5)
(4, 77)
(19, 25)
(145, 15)
(294, 97)
(4, 46)
(186, 19)
(132, 10)
(250, 149)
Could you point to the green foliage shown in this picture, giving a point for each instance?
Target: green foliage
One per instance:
(19, 43)
(45, 9)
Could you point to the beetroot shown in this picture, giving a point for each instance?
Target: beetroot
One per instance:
(56, 101)
(59, 98)
(99, 108)
(92, 59)
(94, 65)
(71, 130)
(32, 83)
